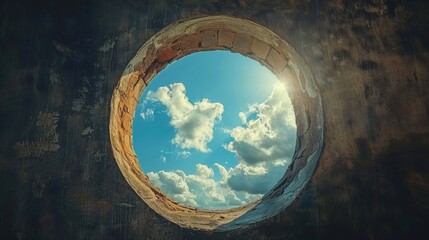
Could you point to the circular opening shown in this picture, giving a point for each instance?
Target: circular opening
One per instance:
(214, 130)
(249, 39)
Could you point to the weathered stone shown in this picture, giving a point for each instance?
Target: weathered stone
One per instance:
(260, 49)
(127, 120)
(138, 89)
(187, 43)
(226, 38)
(276, 60)
(242, 43)
(166, 54)
(150, 57)
(209, 38)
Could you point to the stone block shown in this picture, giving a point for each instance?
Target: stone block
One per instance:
(242, 43)
(209, 38)
(186, 43)
(226, 38)
(166, 55)
(260, 48)
(276, 60)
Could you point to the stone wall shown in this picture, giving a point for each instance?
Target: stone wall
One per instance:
(60, 62)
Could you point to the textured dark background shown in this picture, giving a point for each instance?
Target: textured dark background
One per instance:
(59, 63)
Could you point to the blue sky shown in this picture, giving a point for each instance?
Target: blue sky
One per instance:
(214, 130)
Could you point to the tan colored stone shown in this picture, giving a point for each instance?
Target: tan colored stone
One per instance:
(226, 38)
(133, 79)
(127, 143)
(138, 89)
(260, 48)
(127, 120)
(149, 58)
(209, 38)
(242, 43)
(133, 103)
(276, 60)
(189, 42)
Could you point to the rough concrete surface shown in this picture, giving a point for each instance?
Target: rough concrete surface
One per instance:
(61, 60)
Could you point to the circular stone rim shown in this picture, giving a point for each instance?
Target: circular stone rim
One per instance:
(249, 39)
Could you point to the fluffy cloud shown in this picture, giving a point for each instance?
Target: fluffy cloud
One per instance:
(269, 131)
(257, 180)
(252, 180)
(174, 184)
(193, 122)
(201, 189)
(238, 186)
(263, 145)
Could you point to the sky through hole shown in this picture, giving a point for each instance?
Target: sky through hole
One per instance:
(214, 130)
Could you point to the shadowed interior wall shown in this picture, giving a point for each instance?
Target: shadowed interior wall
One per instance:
(59, 64)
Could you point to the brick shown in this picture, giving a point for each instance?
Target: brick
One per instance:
(276, 60)
(209, 38)
(260, 49)
(226, 38)
(242, 43)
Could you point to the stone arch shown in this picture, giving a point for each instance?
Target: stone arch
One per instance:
(236, 35)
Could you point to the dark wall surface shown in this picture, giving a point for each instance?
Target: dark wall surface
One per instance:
(59, 64)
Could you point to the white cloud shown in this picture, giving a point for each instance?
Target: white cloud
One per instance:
(204, 172)
(148, 114)
(174, 185)
(269, 131)
(184, 154)
(223, 171)
(254, 180)
(263, 145)
(201, 189)
(193, 122)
